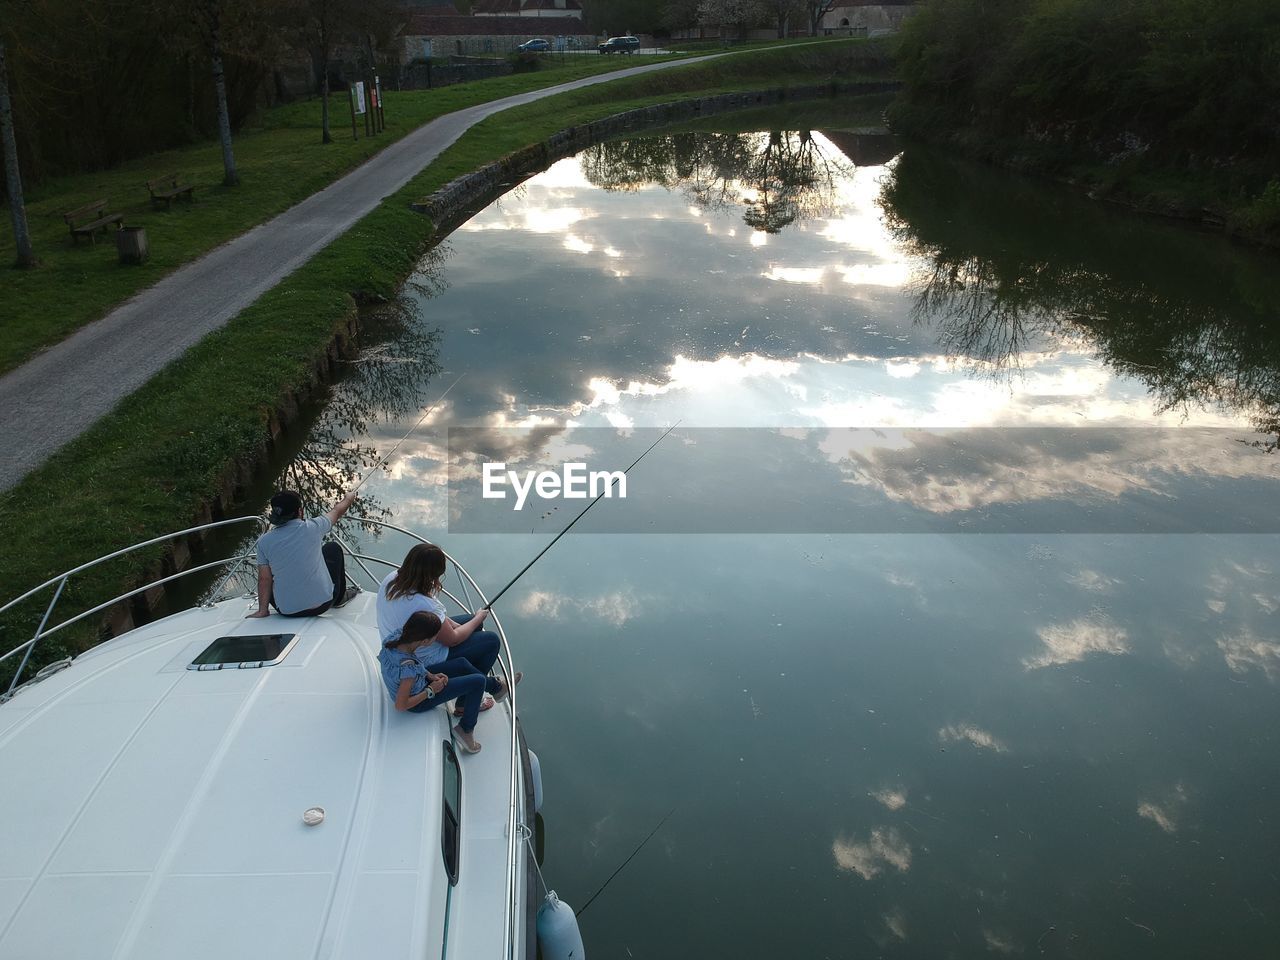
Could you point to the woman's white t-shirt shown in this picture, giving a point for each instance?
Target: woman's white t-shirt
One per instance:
(393, 613)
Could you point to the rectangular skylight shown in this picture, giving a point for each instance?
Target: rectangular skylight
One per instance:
(244, 652)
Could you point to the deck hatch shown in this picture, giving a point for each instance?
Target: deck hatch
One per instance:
(244, 652)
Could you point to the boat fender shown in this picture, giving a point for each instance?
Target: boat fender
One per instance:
(536, 769)
(558, 934)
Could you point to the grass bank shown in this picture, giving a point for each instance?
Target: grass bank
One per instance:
(1168, 106)
(281, 162)
(166, 451)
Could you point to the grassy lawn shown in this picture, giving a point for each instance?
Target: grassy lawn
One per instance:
(149, 466)
(281, 162)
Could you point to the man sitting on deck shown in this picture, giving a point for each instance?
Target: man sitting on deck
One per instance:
(298, 574)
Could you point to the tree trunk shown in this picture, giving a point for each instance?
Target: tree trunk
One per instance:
(13, 177)
(229, 176)
(325, 137)
(325, 52)
(324, 108)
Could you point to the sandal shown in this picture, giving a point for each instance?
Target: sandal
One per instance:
(465, 741)
(485, 704)
(504, 689)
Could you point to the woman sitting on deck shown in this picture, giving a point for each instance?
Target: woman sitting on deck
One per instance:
(415, 688)
(412, 589)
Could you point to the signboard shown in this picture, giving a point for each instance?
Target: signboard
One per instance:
(426, 49)
(377, 91)
(358, 89)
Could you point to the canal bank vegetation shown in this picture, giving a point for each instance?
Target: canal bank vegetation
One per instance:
(1171, 105)
(194, 435)
(1005, 264)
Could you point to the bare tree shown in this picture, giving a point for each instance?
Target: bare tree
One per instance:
(817, 9)
(205, 23)
(324, 26)
(387, 383)
(13, 177)
(781, 12)
(778, 179)
(210, 12)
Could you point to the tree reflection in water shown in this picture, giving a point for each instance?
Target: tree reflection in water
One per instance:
(777, 178)
(1005, 263)
(387, 382)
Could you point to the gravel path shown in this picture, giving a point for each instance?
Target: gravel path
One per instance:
(56, 396)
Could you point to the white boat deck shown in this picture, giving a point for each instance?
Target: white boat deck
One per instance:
(151, 811)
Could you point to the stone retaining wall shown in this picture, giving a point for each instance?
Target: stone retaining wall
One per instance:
(464, 194)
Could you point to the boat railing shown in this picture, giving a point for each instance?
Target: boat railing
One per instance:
(58, 584)
(514, 827)
(236, 563)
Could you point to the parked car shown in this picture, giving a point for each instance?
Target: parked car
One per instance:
(620, 45)
(537, 45)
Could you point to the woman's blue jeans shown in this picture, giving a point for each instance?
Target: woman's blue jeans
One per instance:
(481, 648)
(466, 684)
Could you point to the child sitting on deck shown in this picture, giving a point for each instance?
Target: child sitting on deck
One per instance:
(415, 688)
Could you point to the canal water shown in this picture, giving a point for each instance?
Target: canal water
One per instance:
(946, 622)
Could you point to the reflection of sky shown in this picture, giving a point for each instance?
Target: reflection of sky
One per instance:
(1006, 745)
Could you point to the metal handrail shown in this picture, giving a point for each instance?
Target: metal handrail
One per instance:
(62, 579)
(137, 546)
(211, 565)
(508, 668)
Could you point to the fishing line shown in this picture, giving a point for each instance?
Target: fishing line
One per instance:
(603, 493)
(406, 435)
(626, 861)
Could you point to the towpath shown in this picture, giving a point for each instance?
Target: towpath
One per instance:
(57, 395)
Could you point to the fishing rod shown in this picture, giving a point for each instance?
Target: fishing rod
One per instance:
(626, 861)
(603, 493)
(406, 435)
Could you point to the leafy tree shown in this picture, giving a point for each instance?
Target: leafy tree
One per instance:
(731, 16)
(615, 16)
(1003, 266)
(680, 14)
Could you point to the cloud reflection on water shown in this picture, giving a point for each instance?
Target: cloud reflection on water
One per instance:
(1073, 641)
(968, 733)
(885, 847)
(699, 331)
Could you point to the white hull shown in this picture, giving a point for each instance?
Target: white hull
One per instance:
(153, 811)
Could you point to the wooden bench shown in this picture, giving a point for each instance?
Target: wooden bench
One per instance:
(88, 220)
(168, 188)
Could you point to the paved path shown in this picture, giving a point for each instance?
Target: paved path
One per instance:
(56, 396)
